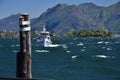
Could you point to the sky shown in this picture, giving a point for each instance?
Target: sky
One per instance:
(36, 7)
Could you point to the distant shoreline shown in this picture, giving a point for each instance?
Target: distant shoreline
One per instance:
(8, 33)
(5, 33)
(116, 35)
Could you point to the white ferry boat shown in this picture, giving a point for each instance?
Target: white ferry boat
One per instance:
(44, 39)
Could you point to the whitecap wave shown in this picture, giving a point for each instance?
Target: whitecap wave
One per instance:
(103, 47)
(41, 51)
(74, 56)
(15, 51)
(71, 43)
(109, 49)
(64, 46)
(104, 56)
(80, 44)
(68, 51)
(101, 56)
(117, 42)
(107, 42)
(15, 45)
(100, 42)
(12, 45)
(53, 45)
(82, 49)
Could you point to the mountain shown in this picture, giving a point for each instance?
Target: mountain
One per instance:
(10, 23)
(112, 15)
(63, 18)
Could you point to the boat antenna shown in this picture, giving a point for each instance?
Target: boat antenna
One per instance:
(44, 29)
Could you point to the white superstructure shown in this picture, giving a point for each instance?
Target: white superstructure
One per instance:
(44, 38)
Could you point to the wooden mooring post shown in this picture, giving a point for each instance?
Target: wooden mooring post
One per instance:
(24, 61)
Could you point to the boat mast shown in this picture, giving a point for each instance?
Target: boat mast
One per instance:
(44, 29)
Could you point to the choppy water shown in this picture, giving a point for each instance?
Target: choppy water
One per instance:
(76, 59)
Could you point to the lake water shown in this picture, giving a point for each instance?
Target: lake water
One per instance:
(75, 59)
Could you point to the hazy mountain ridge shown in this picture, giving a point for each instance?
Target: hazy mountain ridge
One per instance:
(63, 18)
(10, 23)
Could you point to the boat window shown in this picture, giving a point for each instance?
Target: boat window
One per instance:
(48, 37)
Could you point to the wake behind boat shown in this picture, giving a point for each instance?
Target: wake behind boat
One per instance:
(44, 39)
